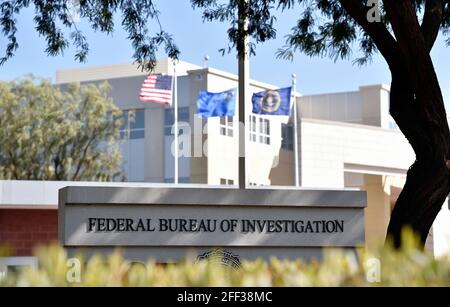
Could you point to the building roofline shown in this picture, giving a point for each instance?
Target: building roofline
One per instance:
(124, 70)
(131, 68)
(114, 71)
(234, 77)
(380, 86)
(346, 124)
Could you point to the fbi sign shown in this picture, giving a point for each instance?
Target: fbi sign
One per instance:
(168, 223)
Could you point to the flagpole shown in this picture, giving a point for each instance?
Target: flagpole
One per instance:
(175, 106)
(294, 83)
(244, 75)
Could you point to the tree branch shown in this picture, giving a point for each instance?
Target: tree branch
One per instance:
(384, 41)
(432, 20)
(83, 156)
(13, 164)
(423, 79)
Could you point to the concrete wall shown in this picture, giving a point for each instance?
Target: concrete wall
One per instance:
(328, 148)
(343, 107)
(441, 231)
(284, 172)
(103, 72)
(78, 205)
(368, 106)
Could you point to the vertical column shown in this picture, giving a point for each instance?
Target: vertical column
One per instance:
(175, 106)
(294, 98)
(378, 210)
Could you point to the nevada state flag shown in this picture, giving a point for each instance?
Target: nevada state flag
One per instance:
(216, 104)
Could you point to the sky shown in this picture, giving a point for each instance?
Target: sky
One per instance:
(197, 39)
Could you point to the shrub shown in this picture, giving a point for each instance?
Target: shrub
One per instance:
(405, 267)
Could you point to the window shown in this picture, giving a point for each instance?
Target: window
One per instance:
(252, 128)
(180, 180)
(224, 181)
(259, 130)
(287, 137)
(264, 130)
(183, 116)
(226, 126)
(133, 124)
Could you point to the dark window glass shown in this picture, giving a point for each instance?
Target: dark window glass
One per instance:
(183, 115)
(287, 137)
(133, 124)
(138, 121)
(137, 134)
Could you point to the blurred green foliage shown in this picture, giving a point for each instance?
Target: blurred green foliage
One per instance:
(384, 267)
(49, 133)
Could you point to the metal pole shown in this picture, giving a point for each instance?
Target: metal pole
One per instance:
(243, 72)
(294, 83)
(175, 106)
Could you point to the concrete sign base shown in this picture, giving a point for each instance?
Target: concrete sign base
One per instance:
(168, 224)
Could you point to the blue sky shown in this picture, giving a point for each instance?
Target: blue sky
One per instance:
(196, 39)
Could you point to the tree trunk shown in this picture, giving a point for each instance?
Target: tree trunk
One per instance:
(420, 201)
(424, 124)
(416, 105)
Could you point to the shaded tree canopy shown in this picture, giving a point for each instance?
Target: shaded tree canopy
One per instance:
(55, 21)
(49, 134)
(327, 27)
(324, 27)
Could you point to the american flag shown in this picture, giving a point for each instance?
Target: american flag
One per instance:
(157, 88)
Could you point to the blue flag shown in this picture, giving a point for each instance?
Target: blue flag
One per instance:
(216, 104)
(272, 102)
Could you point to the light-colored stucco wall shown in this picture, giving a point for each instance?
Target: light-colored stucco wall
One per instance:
(327, 147)
(378, 211)
(441, 231)
(368, 106)
(103, 72)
